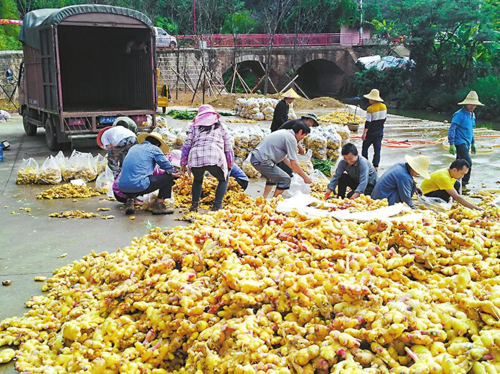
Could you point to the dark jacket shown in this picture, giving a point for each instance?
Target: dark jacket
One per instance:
(280, 115)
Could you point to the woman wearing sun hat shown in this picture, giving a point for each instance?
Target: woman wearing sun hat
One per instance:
(117, 141)
(397, 184)
(137, 177)
(373, 134)
(281, 111)
(461, 132)
(208, 147)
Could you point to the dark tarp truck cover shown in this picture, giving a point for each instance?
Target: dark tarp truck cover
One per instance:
(37, 19)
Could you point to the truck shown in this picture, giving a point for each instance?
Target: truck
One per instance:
(84, 66)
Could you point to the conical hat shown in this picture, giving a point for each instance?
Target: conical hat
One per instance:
(144, 135)
(374, 95)
(472, 99)
(290, 94)
(420, 164)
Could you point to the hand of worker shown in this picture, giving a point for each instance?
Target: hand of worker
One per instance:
(327, 195)
(307, 180)
(419, 192)
(473, 148)
(363, 137)
(452, 149)
(355, 195)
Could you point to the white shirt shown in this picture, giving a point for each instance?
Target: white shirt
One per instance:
(115, 135)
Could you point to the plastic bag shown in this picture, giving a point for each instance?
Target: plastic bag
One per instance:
(334, 141)
(255, 138)
(85, 168)
(27, 172)
(317, 175)
(305, 162)
(318, 144)
(249, 170)
(100, 163)
(104, 182)
(298, 185)
(174, 157)
(50, 172)
(434, 203)
(68, 169)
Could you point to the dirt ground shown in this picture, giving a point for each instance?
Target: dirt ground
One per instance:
(227, 101)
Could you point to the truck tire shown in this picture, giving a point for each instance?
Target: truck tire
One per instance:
(51, 136)
(173, 45)
(29, 128)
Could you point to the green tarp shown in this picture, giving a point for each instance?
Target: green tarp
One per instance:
(37, 19)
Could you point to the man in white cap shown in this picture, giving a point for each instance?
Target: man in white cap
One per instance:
(461, 132)
(397, 184)
(373, 134)
(281, 111)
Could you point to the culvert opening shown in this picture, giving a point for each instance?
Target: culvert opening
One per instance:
(320, 78)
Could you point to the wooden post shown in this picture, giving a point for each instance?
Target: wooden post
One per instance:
(289, 83)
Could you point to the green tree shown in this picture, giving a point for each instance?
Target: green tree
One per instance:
(9, 34)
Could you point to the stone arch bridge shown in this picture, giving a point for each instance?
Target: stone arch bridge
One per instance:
(322, 71)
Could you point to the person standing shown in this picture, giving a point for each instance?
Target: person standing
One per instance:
(373, 133)
(137, 177)
(397, 184)
(352, 171)
(276, 147)
(444, 183)
(461, 132)
(117, 141)
(208, 147)
(281, 111)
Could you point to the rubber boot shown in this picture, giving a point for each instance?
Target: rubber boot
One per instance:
(194, 207)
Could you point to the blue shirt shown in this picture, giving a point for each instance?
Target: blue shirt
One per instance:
(139, 164)
(461, 128)
(237, 173)
(362, 172)
(396, 185)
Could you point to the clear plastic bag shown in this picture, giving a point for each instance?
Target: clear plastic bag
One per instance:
(298, 185)
(85, 167)
(68, 169)
(305, 162)
(434, 203)
(317, 175)
(104, 182)
(50, 172)
(28, 172)
(100, 163)
(318, 144)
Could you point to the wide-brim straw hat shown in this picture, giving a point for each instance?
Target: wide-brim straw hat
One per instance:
(290, 94)
(99, 136)
(471, 99)
(311, 116)
(420, 164)
(374, 95)
(143, 135)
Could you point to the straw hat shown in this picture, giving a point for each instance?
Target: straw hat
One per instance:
(143, 135)
(290, 94)
(420, 164)
(472, 99)
(311, 116)
(99, 136)
(374, 95)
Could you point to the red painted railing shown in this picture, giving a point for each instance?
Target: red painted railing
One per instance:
(263, 40)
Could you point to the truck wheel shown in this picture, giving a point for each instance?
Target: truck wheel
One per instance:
(51, 136)
(29, 128)
(172, 45)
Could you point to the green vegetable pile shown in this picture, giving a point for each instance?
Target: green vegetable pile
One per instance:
(324, 166)
(188, 115)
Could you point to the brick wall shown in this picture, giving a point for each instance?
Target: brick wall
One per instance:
(9, 60)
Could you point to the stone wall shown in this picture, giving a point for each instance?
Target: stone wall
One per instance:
(9, 60)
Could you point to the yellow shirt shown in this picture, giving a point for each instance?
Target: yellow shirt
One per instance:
(439, 180)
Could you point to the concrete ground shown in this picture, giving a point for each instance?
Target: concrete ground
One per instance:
(33, 244)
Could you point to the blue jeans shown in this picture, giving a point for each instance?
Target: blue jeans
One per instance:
(198, 174)
(463, 153)
(376, 141)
